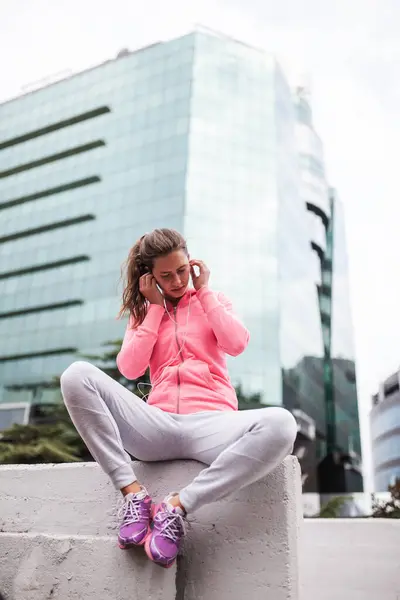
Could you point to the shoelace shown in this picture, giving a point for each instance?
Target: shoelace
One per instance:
(129, 511)
(172, 525)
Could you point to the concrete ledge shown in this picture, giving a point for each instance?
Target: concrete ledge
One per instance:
(249, 547)
(350, 559)
(243, 547)
(41, 567)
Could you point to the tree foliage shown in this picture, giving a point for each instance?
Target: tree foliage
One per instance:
(333, 508)
(248, 401)
(55, 440)
(391, 508)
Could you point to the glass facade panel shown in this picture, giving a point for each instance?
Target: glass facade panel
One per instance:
(342, 343)
(388, 449)
(385, 420)
(12, 414)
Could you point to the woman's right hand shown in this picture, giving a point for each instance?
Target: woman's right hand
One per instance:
(148, 288)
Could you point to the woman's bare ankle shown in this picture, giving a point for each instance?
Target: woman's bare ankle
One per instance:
(132, 488)
(176, 501)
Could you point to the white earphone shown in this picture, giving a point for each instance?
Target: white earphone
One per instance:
(184, 337)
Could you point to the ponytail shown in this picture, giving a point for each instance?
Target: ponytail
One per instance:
(133, 301)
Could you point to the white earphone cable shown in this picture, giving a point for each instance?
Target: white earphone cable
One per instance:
(182, 345)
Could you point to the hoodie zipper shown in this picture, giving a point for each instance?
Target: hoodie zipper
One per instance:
(181, 358)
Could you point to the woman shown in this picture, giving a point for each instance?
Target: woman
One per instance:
(184, 335)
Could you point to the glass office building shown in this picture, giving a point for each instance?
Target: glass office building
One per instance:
(198, 134)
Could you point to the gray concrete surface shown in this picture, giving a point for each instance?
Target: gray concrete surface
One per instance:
(248, 549)
(246, 546)
(350, 559)
(41, 567)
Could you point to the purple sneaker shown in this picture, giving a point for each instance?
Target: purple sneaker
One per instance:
(135, 516)
(164, 542)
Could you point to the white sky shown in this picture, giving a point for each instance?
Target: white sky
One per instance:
(350, 51)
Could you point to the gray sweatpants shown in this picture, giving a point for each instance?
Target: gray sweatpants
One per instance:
(239, 447)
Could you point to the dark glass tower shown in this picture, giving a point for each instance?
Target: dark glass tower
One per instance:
(336, 447)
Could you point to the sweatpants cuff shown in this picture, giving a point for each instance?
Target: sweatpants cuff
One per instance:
(122, 476)
(187, 501)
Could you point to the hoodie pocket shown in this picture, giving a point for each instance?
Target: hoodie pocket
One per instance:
(165, 376)
(200, 371)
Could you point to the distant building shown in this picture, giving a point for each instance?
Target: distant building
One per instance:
(385, 433)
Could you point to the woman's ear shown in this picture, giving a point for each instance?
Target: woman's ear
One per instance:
(143, 269)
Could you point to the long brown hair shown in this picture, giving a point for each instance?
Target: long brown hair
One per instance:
(142, 255)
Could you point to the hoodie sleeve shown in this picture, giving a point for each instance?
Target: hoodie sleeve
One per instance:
(231, 334)
(137, 346)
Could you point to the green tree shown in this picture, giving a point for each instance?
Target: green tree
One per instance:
(248, 401)
(54, 440)
(332, 509)
(391, 508)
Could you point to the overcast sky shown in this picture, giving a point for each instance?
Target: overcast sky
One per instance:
(350, 52)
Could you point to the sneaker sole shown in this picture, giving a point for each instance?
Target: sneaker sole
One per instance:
(150, 556)
(154, 509)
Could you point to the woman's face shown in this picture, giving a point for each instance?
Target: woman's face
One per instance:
(172, 273)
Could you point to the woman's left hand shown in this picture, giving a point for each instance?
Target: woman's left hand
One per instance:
(202, 278)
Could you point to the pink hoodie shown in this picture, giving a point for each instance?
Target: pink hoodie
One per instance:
(186, 349)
